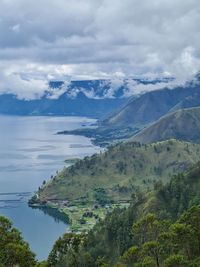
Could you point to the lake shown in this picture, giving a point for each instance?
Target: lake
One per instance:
(30, 152)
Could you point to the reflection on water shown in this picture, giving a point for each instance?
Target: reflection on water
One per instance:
(38, 228)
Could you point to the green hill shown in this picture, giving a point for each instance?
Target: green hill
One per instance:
(182, 124)
(114, 174)
(133, 237)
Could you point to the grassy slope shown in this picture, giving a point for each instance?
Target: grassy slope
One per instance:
(120, 169)
(182, 124)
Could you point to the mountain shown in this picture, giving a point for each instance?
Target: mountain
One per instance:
(182, 124)
(64, 105)
(151, 106)
(141, 111)
(92, 98)
(114, 174)
(188, 102)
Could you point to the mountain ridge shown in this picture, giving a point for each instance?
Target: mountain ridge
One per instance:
(151, 106)
(92, 98)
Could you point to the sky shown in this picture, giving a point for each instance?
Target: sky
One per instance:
(96, 39)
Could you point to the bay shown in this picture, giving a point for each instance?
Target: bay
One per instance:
(30, 152)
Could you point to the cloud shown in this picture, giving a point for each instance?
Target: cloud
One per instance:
(15, 28)
(96, 39)
(53, 93)
(23, 86)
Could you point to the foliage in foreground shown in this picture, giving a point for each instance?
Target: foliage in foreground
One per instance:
(155, 243)
(14, 251)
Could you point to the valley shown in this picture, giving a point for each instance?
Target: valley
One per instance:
(141, 112)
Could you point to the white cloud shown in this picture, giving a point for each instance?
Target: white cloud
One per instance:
(23, 86)
(96, 39)
(55, 94)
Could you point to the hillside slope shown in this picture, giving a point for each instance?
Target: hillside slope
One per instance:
(114, 174)
(182, 124)
(151, 106)
(188, 102)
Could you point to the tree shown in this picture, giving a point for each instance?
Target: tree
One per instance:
(154, 250)
(149, 228)
(147, 262)
(176, 261)
(150, 235)
(192, 219)
(130, 256)
(101, 262)
(14, 251)
(68, 246)
(182, 239)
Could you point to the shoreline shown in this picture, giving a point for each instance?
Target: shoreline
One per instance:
(103, 136)
(52, 211)
(79, 217)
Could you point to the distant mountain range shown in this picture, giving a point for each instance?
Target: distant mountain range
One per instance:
(183, 125)
(79, 106)
(93, 98)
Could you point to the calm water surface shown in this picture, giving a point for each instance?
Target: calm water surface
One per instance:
(30, 152)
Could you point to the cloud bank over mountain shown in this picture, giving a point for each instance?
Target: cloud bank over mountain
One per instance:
(96, 39)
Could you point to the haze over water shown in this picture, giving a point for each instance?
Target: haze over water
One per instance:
(30, 152)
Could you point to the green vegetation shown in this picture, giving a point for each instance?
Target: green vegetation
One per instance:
(114, 175)
(182, 125)
(82, 218)
(159, 229)
(14, 251)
